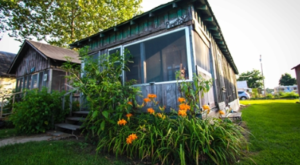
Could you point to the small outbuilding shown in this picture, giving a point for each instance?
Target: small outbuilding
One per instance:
(39, 65)
(297, 70)
(180, 35)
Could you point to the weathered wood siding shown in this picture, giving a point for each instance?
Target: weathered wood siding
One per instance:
(31, 59)
(159, 21)
(167, 95)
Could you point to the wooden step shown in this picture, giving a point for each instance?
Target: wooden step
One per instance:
(68, 126)
(81, 112)
(76, 118)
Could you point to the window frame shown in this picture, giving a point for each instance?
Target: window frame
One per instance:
(188, 53)
(121, 54)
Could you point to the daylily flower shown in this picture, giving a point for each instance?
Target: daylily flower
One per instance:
(122, 122)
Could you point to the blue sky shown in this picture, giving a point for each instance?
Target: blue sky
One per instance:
(251, 28)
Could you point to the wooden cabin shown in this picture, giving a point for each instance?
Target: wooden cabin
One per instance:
(180, 35)
(39, 65)
(297, 70)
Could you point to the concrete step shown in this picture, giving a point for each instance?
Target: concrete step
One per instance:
(76, 118)
(68, 126)
(81, 112)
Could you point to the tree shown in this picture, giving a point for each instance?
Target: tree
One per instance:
(286, 79)
(254, 78)
(65, 21)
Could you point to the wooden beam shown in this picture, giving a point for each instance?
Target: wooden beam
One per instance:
(101, 35)
(221, 42)
(132, 22)
(78, 43)
(208, 19)
(216, 34)
(174, 5)
(90, 39)
(151, 14)
(213, 28)
(202, 7)
(115, 29)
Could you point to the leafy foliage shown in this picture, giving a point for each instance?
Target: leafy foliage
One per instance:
(38, 111)
(191, 91)
(286, 79)
(254, 78)
(63, 22)
(102, 88)
(169, 140)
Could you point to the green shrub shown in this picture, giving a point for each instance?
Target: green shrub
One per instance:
(269, 96)
(289, 95)
(38, 111)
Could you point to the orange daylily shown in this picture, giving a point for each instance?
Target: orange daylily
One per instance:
(205, 107)
(131, 138)
(129, 115)
(221, 112)
(129, 102)
(181, 99)
(122, 122)
(152, 96)
(151, 110)
(184, 107)
(147, 100)
(182, 113)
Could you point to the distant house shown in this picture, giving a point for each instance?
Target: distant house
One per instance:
(177, 36)
(290, 88)
(297, 70)
(39, 65)
(7, 81)
(242, 86)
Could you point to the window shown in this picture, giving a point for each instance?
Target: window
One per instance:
(34, 81)
(157, 60)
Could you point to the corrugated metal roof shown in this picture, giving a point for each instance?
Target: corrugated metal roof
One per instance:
(5, 61)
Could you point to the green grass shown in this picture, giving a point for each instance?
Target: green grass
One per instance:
(6, 133)
(275, 129)
(55, 153)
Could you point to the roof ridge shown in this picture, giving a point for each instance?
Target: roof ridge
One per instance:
(49, 45)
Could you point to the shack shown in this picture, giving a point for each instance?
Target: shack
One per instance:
(39, 65)
(180, 35)
(297, 70)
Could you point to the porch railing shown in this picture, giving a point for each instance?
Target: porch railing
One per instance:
(72, 94)
(3, 98)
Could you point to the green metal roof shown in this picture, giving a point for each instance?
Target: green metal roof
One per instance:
(201, 6)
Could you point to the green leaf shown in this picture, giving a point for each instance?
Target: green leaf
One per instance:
(102, 126)
(105, 114)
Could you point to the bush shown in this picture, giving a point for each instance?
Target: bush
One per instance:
(38, 111)
(289, 95)
(269, 96)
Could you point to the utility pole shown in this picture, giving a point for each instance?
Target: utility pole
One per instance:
(262, 73)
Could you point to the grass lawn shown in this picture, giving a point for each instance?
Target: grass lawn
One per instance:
(275, 129)
(55, 153)
(6, 133)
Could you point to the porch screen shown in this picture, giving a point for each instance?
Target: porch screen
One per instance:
(113, 53)
(158, 59)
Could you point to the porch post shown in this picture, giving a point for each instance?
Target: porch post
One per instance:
(50, 80)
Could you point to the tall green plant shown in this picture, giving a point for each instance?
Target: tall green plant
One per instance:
(101, 86)
(193, 90)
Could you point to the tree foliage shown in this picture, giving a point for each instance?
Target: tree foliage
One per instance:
(65, 21)
(253, 78)
(286, 79)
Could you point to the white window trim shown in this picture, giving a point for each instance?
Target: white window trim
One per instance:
(188, 53)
